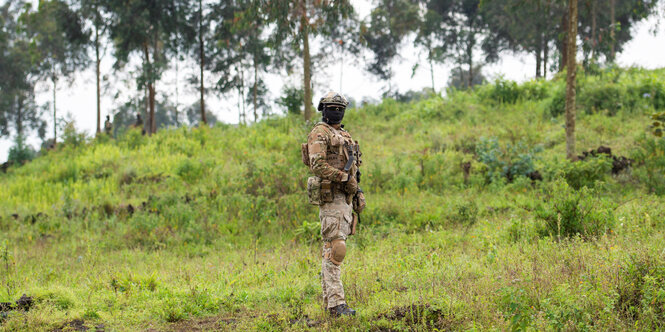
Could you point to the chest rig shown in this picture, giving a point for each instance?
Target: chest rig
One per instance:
(341, 148)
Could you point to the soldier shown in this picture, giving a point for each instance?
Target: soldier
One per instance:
(108, 127)
(334, 157)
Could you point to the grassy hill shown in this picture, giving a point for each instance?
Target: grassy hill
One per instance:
(475, 220)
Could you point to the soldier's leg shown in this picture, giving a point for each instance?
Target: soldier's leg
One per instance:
(332, 280)
(335, 227)
(324, 294)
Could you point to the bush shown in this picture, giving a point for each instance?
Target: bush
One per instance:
(20, 153)
(649, 155)
(582, 173)
(292, 99)
(641, 290)
(568, 212)
(508, 162)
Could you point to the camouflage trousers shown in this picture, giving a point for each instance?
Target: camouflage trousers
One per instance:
(336, 218)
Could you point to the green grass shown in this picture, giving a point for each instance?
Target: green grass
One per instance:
(210, 228)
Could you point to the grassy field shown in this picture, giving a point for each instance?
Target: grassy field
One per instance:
(475, 220)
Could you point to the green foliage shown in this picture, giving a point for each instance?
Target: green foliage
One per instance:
(567, 212)
(21, 152)
(641, 289)
(291, 99)
(581, 173)
(507, 91)
(650, 153)
(516, 308)
(613, 91)
(189, 224)
(509, 161)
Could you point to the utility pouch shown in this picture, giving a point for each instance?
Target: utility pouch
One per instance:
(314, 190)
(304, 151)
(359, 202)
(326, 191)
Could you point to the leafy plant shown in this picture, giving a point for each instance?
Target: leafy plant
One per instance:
(507, 162)
(568, 212)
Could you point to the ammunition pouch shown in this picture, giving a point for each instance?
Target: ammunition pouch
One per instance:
(359, 201)
(314, 190)
(304, 153)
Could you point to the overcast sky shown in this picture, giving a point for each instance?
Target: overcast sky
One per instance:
(345, 74)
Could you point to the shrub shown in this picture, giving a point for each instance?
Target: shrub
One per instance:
(508, 162)
(582, 173)
(649, 155)
(20, 153)
(568, 212)
(292, 98)
(641, 289)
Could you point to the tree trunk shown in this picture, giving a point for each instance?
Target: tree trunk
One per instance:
(242, 94)
(564, 42)
(97, 72)
(594, 40)
(546, 50)
(431, 71)
(152, 128)
(307, 67)
(612, 28)
(570, 80)
(55, 130)
(256, 83)
(19, 116)
(202, 58)
(177, 90)
(538, 62)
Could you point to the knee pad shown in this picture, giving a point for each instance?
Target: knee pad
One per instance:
(338, 251)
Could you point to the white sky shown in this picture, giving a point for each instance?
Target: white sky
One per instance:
(645, 50)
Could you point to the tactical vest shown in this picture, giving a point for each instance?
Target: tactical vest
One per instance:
(337, 154)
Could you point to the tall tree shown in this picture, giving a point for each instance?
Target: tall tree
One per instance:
(93, 11)
(301, 20)
(145, 28)
(57, 36)
(570, 79)
(389, 23)
(18, 74)
(508, 19)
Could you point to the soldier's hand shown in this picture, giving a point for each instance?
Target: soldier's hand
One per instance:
(351, 186)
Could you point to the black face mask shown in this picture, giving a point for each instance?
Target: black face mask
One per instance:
(333, 115)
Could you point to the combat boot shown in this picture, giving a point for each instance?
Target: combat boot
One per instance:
(341, 310)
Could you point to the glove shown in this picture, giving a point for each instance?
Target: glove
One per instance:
(351, 186)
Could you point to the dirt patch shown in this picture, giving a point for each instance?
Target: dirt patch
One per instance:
(619, 163)
(79, 325)
(24, 303)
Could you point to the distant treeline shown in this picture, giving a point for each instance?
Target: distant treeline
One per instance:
(236, 43)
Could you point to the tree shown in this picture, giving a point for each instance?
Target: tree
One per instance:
(145, 27)
(507, 21)
(570, 79)
(298, 21)
(18, 75)
(390, 21)
(606, 26)
(93, 11)
(57, 37)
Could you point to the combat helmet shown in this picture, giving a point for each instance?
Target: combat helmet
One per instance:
(333, 99)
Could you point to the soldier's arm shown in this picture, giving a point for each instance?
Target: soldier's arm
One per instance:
(317, 145)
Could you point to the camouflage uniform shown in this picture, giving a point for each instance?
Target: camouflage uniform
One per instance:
(327, 158)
